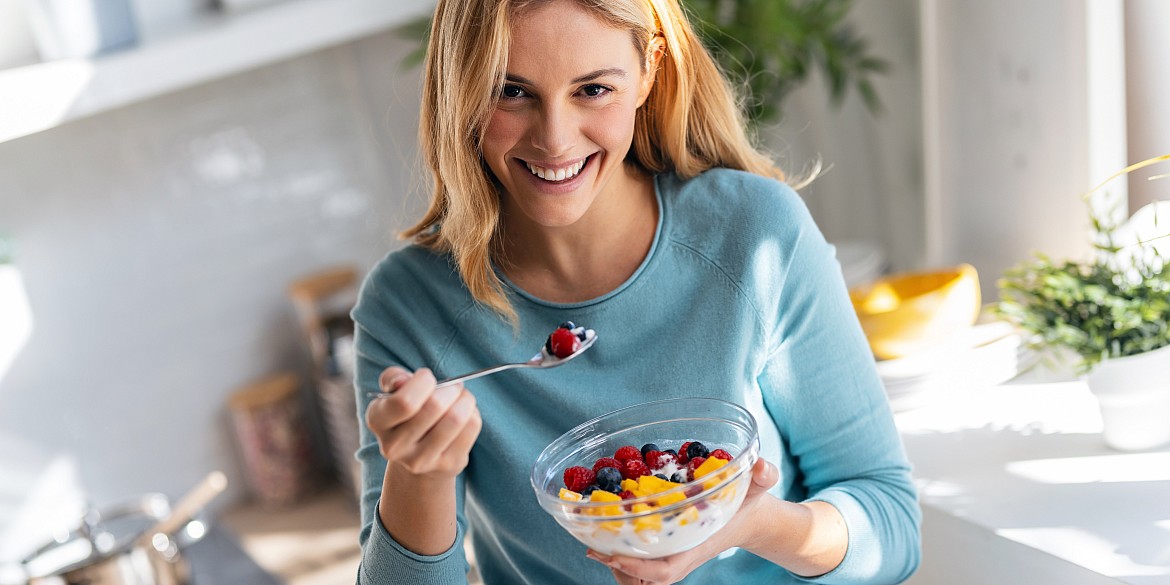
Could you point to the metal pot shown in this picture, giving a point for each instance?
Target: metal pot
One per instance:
(111, 547)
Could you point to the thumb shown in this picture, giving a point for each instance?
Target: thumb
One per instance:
(764, 476)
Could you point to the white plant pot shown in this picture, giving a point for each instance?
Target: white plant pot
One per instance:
(1134, 395)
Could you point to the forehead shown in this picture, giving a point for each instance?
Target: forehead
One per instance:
(564, 37)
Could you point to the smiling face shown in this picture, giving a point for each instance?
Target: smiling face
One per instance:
(564, 123)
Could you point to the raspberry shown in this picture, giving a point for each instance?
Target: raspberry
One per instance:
(658, 459)
(563, 343)
(634, 468)
(578, 478)
(692, 465)
(648, 447)
(682, 453)
(627, 495)
(721, 454)
(627, 453)
(606, 462)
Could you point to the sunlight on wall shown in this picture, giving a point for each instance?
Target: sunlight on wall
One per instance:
(15, 316)
(63, 83)
(40, 496)
(1097, 469)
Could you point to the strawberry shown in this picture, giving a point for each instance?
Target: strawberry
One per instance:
(578, 478)
(563, 343)
(627, 453)
(606, 462)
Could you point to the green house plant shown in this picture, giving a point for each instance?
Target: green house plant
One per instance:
(1112, 311)
(769, 47)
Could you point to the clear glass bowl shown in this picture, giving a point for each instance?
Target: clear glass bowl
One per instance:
(706, 504)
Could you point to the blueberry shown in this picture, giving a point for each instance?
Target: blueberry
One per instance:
(588, 490)
(671, 451)
(581, 335)
(609, 479)
(567, 325)
(648, 447)
(548, 345)
(697, 449)
(679, 477)
(662, 477)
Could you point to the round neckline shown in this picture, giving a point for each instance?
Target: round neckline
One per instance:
(659, 229)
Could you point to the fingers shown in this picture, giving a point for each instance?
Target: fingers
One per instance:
(408, 394)
(631, 570)
(764, 476)
(420, 427)
(392, 377)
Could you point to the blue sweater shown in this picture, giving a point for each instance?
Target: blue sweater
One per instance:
(740, 298)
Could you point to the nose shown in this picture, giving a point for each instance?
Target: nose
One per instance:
(555, 130)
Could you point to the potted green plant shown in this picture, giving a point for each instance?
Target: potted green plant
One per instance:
(1112, 312)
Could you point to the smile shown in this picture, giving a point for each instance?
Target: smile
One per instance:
(557, 175)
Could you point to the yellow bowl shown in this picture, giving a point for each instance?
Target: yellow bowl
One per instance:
(905, 313)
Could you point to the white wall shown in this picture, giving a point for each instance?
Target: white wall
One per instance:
(1009, 144)
(156, 242)
(872, 189)
(1147, 45)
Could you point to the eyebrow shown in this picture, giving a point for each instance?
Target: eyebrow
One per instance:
(615, 71)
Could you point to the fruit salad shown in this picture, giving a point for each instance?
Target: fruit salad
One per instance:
(662, 499)
(566, 340)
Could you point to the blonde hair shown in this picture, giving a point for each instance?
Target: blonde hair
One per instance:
(690, 122)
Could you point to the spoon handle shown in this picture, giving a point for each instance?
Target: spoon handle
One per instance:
(469, 375)
(479, 373)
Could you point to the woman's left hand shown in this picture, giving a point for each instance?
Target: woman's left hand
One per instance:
(665, 570)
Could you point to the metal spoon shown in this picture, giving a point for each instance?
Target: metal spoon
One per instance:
(541, 360)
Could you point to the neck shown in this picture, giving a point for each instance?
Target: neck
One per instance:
(591, 257)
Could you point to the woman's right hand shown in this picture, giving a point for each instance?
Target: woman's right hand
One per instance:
(426, 431)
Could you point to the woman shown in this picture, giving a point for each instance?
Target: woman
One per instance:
(590, 165)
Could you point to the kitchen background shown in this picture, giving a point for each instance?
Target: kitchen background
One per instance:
(155, 241)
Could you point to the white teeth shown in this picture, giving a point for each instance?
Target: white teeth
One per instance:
(558, 175)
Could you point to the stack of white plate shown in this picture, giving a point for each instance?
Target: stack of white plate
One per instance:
(988, 353)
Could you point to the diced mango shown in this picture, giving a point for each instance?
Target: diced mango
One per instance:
(670, 499)
(641, 508)
(610, 525)
(570, 495)
(629, 484)
(604, 496)
(648, 484)
(651, 522)
(689, 515)
(709, 465)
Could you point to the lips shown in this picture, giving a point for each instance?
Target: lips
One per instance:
(557, 174)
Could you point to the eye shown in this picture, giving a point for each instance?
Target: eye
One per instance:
(512, 92)
(594, 90)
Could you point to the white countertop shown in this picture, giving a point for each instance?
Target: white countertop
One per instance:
(1017, 486)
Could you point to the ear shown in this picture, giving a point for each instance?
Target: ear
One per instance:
(654, 52)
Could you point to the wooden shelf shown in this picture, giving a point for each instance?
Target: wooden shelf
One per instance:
(47, 95)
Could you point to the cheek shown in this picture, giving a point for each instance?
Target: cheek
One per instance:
(504, 130)
(613, 128)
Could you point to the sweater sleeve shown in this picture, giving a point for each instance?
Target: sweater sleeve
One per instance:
(384, 560)
(822, 388)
